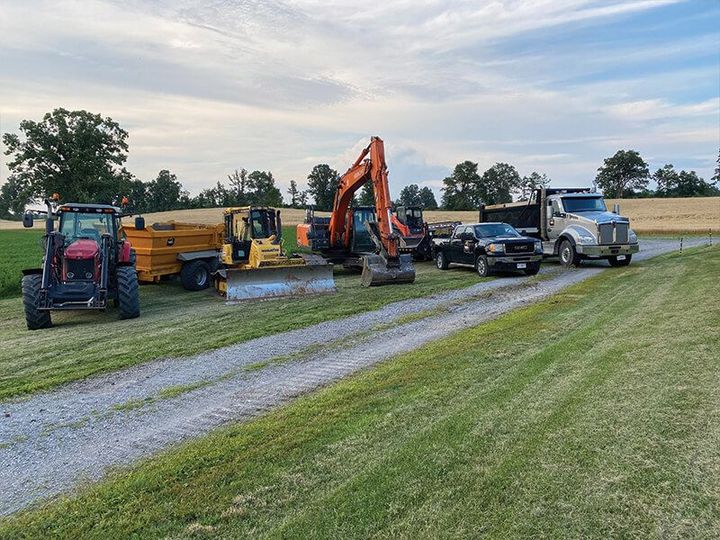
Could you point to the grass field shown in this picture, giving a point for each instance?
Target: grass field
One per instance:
(19, 249)
(84, 343)
(593, 414)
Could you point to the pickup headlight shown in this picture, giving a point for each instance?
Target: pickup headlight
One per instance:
(632, 237)
(538, 246)
(496, 248)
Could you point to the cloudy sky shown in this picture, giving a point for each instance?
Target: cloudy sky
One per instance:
(546, 85)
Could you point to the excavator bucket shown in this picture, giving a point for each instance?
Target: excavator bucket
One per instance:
(313, 277)
(377, 271)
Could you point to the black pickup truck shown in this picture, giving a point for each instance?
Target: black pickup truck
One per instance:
(489, 247)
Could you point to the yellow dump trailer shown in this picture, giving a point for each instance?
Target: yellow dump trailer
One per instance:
(189, 249)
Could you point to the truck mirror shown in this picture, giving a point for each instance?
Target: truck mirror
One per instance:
(28, 220)
(616, 208)
(139, 223)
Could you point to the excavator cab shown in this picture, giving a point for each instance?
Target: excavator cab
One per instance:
(255, 265)
(361, 240)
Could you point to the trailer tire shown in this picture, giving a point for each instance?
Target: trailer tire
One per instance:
(481, 266)
(35, 319)
(195, 275)
(568, 255)
(615, 262)
(441, 261)
(128, 293)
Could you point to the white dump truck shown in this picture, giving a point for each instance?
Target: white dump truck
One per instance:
(572, 223)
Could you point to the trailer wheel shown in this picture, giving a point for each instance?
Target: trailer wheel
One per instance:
(195, 275)
(481, 266)
(128, 294)
(441, 261)
(614, 261)
(568, 255)
(35, 319)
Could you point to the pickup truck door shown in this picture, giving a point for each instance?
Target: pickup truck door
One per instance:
(466, 251)
(454, 250)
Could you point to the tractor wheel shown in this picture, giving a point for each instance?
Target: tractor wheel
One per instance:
(614, 261)
(35, 319)
(128, 294)
(568, 255)
(195, 276)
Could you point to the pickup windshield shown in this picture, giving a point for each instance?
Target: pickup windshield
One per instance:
(584, 204)
(495, 229)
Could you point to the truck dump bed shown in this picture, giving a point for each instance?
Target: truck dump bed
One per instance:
(524, 216)
(160, 248)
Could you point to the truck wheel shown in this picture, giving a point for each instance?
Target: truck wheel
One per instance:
(128, 293)
(441, 261)
(614, 261)
(195, 275)
(568, 255)
(35, 319)
(481, 266)
(531, 270)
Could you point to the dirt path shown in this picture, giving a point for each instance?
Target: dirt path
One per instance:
(51, 442)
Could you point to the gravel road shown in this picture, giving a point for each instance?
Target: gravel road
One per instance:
(54, 441)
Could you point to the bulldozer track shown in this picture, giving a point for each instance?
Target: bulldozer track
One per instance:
(54, 441)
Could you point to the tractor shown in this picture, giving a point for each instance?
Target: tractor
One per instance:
(87, 263)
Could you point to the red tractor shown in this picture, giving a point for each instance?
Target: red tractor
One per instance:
(87, 263)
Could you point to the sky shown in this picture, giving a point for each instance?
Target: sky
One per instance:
(203, 88)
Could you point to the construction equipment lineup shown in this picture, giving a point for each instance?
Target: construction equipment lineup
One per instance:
(93, 258)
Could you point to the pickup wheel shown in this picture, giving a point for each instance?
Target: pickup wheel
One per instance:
(440, 261)
(481, 266)
(568, 255)
(614, 261)
(195, 275)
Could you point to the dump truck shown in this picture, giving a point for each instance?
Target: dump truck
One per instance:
(190, 250)
(361, 237)
(572, 223)
(87, 265)
(254, 263)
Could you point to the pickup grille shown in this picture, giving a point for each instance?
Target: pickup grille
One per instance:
(524, 247)
(616, 233)
(78, 270)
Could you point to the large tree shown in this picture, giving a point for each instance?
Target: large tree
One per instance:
(532, 182)
(460, 188)
(622, 174)
(667, 181)
(322, 184)
(75, 153)
(716, 176)
(497, 184)
(410, 195)
(367, 195)
(427, 198)
(164, 192)
(296, 195)
(263, 190)
(238, 187)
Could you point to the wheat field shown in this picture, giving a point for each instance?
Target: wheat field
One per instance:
(655, 216)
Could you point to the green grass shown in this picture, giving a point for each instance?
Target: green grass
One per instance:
(19, 249)
(173, 323)
(593, 414)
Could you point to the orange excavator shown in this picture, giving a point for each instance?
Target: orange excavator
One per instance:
(361, 237)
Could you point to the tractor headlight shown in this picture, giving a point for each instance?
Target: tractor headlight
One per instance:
(496, 248)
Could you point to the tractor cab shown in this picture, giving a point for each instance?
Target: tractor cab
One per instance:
(247, 225)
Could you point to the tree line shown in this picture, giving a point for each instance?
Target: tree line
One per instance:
(82, 156)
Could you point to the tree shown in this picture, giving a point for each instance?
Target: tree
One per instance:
(410, 195)
(367, 195)
(667, 181)
(716, 176)
(263, 190)
(497, 184)
(460, 188)
(238, 188)
(622, 173)
(294, 193)
(532, 182)
(163, 193)
(14, 195)
(427, 198)
(322, 184)
(75, 153)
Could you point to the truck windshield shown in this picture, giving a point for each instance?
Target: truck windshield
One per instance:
(75, 225)
(495, 229)
(584, 204)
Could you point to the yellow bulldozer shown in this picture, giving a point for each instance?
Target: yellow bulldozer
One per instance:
(255, 265)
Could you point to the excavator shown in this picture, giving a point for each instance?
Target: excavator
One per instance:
(255, 265)
(361, 237)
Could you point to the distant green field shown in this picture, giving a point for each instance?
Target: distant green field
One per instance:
(19, 249)
(593, 414)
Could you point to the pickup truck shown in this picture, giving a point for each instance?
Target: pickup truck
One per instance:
(572, 223)
(489, 247)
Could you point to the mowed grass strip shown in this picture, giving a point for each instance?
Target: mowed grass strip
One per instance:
(173, 322)
(593, 414)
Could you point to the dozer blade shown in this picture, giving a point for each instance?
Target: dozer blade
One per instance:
(271, 282)
(376, 271)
